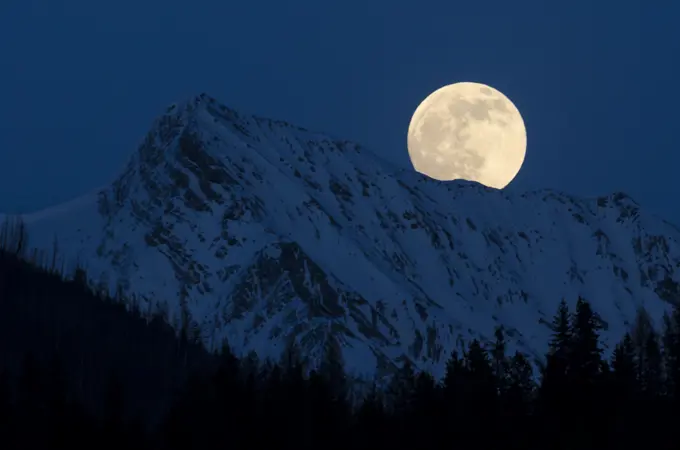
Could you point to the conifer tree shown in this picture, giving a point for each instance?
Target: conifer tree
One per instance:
(229, 368)
(453, 387)
(370, 421)
(323, 420)
(623, 389)
(624, 368)
(585, 378)
(500, 361)
(294, 398)
(518, 403)
(671, 338)
(332, 368)
(640, 332)
(585, 355)
(652, 373)
(420, 420)
(402, 389)
(554, 396)
(560, 343)
(481, 397)
(521, 385)
(453, 376)
(477, 362)
(425, 404)
(554, 383)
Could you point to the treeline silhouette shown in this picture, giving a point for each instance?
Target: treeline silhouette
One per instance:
(77, 367)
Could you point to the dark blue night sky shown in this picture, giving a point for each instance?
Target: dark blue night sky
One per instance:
(596, 81)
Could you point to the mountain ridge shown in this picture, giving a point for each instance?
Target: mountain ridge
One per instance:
(265, 234)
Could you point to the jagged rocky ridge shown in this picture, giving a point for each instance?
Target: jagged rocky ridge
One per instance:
(264, 233)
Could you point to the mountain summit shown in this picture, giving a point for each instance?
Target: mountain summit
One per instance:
(266, 234)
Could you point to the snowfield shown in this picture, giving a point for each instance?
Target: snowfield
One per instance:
(263, 233)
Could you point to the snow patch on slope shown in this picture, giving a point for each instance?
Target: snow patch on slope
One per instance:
(268, 234)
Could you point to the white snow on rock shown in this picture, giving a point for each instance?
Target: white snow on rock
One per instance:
(266, 233)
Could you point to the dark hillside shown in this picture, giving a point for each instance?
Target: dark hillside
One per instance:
(95, 339)
(77, 368)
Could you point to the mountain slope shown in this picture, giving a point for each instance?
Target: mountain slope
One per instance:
(265, 233)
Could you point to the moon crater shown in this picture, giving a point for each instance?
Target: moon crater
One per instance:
(467, 131)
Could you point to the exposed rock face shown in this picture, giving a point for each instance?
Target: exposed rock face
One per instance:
(266, 234)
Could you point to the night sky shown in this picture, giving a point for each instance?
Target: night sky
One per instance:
(596, 82)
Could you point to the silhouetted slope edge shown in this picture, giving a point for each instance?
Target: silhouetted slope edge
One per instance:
(242, 226)
(47, 318)
(81, 368)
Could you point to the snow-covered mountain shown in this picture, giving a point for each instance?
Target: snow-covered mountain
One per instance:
(264, 233)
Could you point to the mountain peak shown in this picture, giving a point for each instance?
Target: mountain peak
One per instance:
(189, 104)
(267, 234)
(205, 107)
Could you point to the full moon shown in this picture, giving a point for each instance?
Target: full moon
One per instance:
(467, 131)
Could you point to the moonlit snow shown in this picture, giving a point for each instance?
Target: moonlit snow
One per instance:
(269, 233)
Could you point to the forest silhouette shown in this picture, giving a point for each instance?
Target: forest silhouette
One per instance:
(80, 367)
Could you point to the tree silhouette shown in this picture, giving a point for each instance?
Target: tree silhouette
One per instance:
(80, 369)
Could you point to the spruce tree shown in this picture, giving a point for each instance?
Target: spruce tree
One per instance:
(481, 397)
(560, 343)
(624, 369)
(518, 401)
(586, 381)
(424, 416)
(671, 340)
(453, 387)
(653, 374)
(554, 394)
(521, 385)
(585, 355)
(324, 419)
(642, 328)
(370, 422)
(229, 365)
(453, 375)
(554, 385)
(623, 389)
(295, 399)
(332, 369)
(425, 393)
(402, 389)
(500, 361)
(477, 362)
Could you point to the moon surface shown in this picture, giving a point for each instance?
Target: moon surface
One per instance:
(467, 131)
